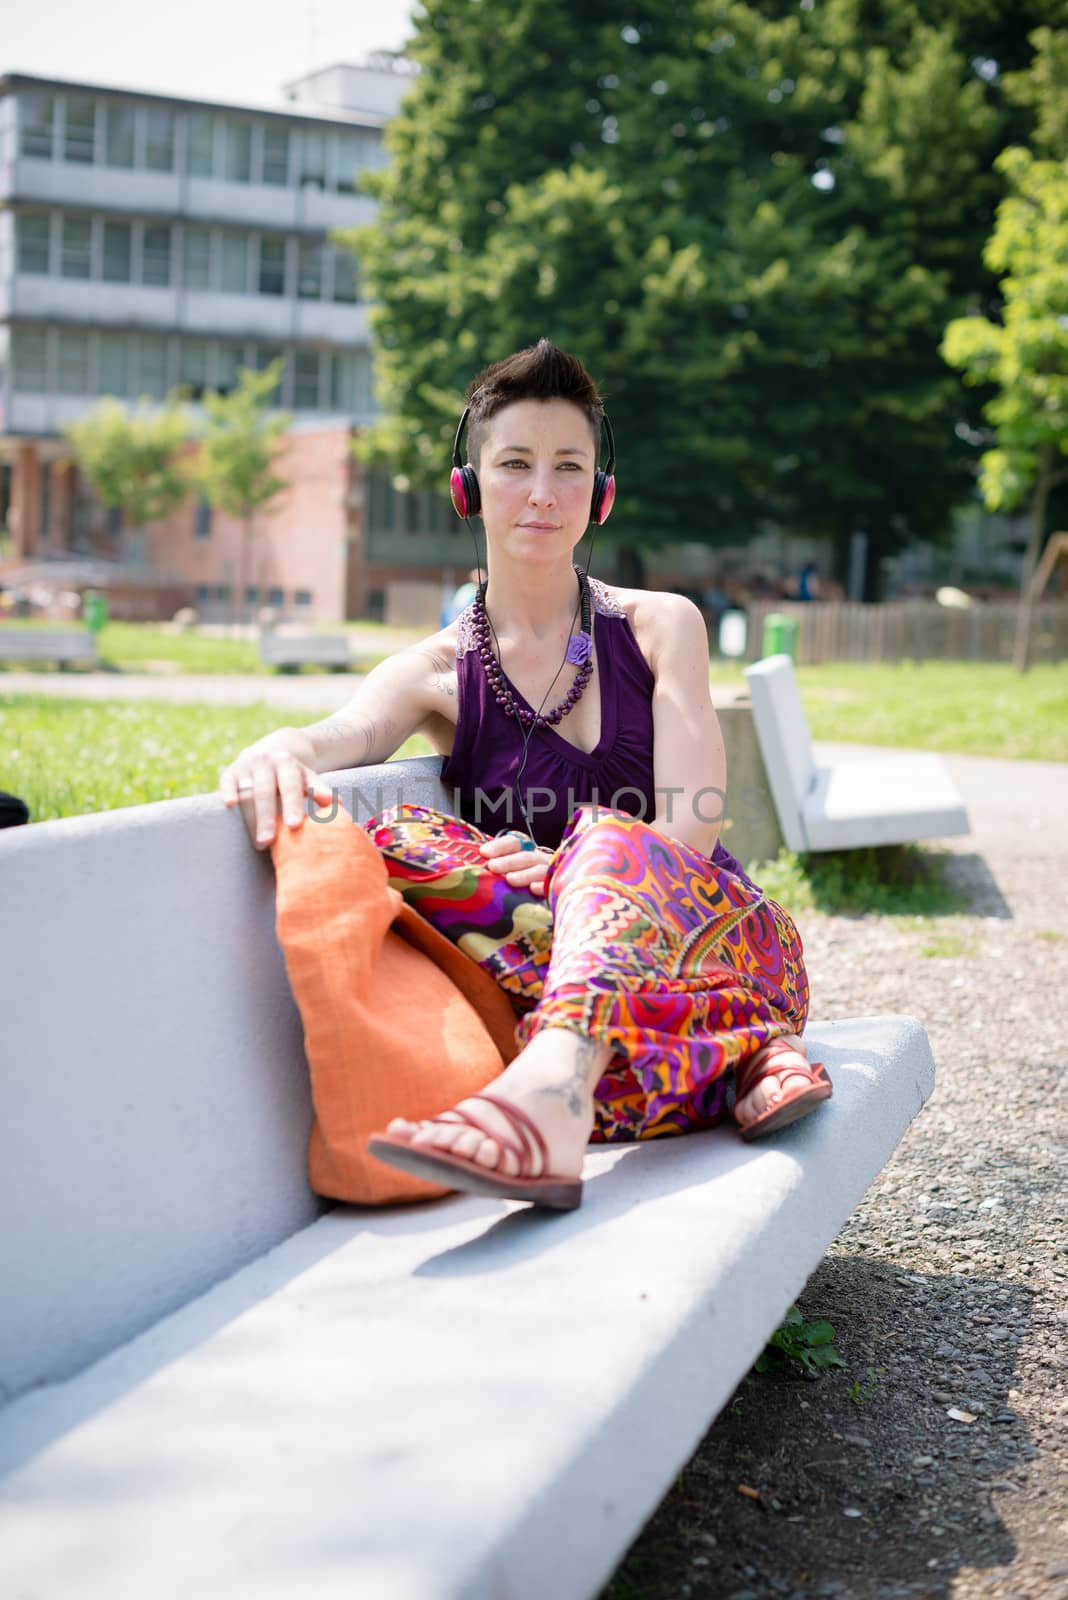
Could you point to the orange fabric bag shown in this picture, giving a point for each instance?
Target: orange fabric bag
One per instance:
(397, 1020)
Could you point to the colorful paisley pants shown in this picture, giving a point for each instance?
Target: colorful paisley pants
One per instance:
(640, 942)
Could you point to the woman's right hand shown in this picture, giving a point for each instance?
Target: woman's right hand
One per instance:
(268, 775)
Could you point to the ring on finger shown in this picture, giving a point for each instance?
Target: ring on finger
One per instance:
(246, 788)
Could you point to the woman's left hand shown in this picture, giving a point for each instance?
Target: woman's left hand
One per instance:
(524, 869)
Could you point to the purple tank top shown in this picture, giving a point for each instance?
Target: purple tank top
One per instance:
(558, 777)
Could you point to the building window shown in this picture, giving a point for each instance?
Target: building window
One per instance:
(196, 258)
(202, 525)
(355, 153)
(72, 366)
(230, 361)
(350, 382)
(302, 597)
(310, 270)
(265, 355)
(37, 114)
(275, 154)
(235, 263)
(31, 361)
(203, 593)
(312, 160)
(345, 288)
(113, 365)
(118, 252)
(200, 150)
(159, 139)
(306, 380)
(34, 229)
(272, 279)
(46, 499)
(156, 255)
(252, 594)
(276, 597)
(152, 366)
(120, 129)
(193, 365)
(237, 164)
(79, 133)
(75, 259)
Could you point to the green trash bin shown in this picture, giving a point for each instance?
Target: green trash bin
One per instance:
(780, 635)
(94, 609)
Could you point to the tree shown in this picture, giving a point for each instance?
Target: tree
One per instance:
(238, 444)
(731, 211)
(132, 461)
(1024, 355)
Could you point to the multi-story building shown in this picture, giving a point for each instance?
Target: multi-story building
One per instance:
(147, 241)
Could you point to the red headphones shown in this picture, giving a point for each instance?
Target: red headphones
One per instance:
(467, 498)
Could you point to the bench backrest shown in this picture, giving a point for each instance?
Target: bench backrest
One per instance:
(156, 1099)
(47, 644)
(327, 649)
(782, 732)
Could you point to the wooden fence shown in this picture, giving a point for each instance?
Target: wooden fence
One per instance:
(919, 630)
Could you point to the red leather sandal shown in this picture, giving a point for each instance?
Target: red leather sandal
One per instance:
(798, 1103)
(460, 1172)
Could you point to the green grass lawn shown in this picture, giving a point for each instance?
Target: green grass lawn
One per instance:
(68, 757)
(973, 708)
(970, 707)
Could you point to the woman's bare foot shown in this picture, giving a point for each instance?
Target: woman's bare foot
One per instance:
(552, 1080)
(768, 1093)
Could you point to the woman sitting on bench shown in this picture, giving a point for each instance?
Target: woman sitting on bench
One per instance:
(584, 869)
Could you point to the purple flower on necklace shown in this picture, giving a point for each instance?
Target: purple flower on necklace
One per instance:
(578, 649)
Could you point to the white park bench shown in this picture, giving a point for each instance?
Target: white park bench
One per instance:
(62, 645)
(217, 1383)
(287, 651)
(892, 799)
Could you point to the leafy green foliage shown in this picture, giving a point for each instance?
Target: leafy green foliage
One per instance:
(132, 459)
(732, 213)
(797, 1343)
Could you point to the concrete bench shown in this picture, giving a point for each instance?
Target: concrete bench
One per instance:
(62, 645)
(289, 651)
(216, 1380)
(893, 799)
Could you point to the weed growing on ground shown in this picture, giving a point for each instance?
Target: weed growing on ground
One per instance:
(861, 1393)
(891, 880)
(947, 945)
(809, 1345)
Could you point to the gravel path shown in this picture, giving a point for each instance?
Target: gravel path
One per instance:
(947, 1287)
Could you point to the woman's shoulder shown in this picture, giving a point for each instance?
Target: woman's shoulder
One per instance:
(653, 614)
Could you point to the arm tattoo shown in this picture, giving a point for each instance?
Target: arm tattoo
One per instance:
(445, 682)
(366, 734)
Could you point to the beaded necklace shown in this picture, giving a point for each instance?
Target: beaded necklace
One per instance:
(579, 653)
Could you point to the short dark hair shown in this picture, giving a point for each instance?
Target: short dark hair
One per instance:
(540, 372)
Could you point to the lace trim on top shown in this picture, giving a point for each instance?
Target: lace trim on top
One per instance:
(600, 599)
(465, 630)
